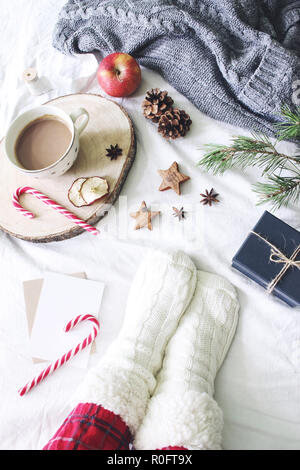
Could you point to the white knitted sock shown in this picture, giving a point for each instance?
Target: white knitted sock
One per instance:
(125, 377)
(182, 411)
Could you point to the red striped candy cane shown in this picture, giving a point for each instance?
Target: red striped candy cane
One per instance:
(49, 202)
(66, 357)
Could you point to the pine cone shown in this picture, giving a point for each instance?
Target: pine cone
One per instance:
(174, 123)
(156, 103)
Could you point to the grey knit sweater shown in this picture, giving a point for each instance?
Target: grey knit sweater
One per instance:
(236, 60)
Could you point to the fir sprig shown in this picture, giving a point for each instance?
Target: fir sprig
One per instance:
(289, 128)
(279, 190)
(260, 151)
(243, 152)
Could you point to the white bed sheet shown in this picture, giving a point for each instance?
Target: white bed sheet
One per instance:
(258, 386)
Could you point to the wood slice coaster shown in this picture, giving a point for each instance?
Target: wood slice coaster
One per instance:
(108, 124)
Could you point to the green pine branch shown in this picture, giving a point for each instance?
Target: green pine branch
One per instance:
(279, 190)
(260, 151)
(289, 128)
(243, 152)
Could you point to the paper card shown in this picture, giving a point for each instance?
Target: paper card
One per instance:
(32, 290)
(62, 299)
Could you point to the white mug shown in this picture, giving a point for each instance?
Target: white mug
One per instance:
(65, 162)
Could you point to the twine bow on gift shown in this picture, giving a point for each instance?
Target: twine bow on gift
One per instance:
(276, 256)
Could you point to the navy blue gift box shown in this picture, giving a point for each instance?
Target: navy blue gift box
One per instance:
(270, 256)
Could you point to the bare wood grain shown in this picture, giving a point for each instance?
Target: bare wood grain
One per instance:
(109, 124)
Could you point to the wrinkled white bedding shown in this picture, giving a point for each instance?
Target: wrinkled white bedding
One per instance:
(258, 386)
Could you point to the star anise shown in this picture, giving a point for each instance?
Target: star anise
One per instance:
(180, 213)
(114, 152)
(209, 197)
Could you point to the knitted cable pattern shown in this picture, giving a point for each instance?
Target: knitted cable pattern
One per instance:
(243, 57)
(182, 409)
(84, 11)
(124, 379)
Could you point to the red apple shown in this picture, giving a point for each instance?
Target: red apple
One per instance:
(119, 74)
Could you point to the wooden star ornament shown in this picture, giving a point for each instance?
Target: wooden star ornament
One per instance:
(172, 178)
(143, 217)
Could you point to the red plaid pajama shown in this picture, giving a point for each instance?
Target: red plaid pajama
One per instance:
(92, 427)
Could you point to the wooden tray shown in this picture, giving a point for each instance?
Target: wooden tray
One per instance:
(108, 124)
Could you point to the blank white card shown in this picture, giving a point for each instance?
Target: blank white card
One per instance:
(62, 299)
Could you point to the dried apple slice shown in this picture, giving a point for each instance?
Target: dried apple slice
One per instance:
(93, 188)
(74, 193)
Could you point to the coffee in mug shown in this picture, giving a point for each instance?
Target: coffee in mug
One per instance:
(42, 142)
